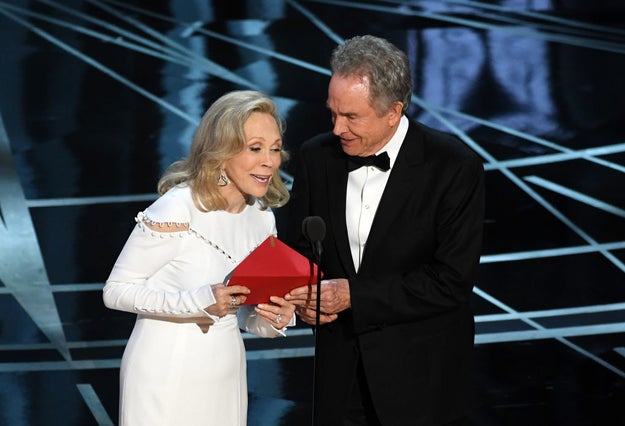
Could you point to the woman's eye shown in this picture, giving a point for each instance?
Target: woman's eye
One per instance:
(277, 149)
(254, 148)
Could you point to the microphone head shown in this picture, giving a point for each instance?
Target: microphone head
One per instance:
(314, 228)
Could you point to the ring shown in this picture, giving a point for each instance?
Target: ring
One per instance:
(278, 318)
(233, 300)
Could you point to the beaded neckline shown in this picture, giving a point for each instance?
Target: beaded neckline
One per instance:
(145, 222)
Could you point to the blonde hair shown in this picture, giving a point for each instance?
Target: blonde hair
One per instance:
(219, 137)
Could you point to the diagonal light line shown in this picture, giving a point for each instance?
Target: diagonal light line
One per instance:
(575, 195)
(94, 404)
(66, 288)
(100, 67)
(553, 29)
(22, 270)
(264, 51)
(586, 154)
(537, 326)
(113, 199)
(304, 352)
(517, 181)
(555, 252)
(84, 344)
(532, 14)
(308, 351)
(492, 160)
(121, 342)
(519, 31)
(523, 186)
(560, 216)
(501, 317)
(119, 40)
(168, 56)
(197, 28)
(214, 68)
(549, 313)
(569, 26)
(285, 176)
(87, 364)
(316, 22)
(175, 50)
(113, 28)
(558, 333)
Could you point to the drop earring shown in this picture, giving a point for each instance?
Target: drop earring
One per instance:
(223, 180)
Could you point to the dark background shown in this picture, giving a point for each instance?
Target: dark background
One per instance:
(98, 97)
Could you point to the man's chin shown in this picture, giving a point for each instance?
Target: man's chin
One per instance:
(349, 148)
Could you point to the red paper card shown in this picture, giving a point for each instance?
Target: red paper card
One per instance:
(273, 269)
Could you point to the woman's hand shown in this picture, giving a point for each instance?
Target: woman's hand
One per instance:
(279, 312)
(228, 299)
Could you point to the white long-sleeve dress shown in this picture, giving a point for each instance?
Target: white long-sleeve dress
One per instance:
(176, 370)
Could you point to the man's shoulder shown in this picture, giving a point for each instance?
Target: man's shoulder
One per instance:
(325, 139)
(441, 141)
(323, 144)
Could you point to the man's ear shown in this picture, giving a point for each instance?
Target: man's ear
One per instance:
(395, 113)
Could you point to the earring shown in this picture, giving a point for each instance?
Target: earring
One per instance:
(223, 180)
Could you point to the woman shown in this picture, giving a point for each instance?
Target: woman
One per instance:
(184, 363)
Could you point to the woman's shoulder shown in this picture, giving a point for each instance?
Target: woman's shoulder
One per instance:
(260, 215)
(173, 206)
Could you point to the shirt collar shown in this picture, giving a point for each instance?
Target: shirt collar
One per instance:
(394, 144)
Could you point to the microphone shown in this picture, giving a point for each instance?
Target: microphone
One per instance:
(314, 229)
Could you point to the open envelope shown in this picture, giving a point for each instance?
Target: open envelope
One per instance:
(273, 269)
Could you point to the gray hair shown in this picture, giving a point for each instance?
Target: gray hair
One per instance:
(385, 66)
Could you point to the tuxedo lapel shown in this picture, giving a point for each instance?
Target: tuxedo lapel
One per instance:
(336, 174)
(402, 181)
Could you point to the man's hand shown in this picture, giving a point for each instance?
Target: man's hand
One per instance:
(335, 298)
(309, 316)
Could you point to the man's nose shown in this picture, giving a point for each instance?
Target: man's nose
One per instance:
(339, 126)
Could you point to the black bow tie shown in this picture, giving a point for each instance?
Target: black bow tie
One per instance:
(381, 161)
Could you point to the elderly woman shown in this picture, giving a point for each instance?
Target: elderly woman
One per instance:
(184, 363)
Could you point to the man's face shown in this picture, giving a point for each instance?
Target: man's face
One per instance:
(362, 131)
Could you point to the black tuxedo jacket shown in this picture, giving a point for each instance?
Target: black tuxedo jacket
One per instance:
(410, 320)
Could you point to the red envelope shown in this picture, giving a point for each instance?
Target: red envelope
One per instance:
(273, 269)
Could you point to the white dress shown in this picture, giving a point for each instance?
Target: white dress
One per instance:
(176, 371)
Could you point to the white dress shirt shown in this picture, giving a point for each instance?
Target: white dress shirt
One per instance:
(365, 187)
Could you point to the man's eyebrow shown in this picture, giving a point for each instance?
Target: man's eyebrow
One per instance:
(347, 114)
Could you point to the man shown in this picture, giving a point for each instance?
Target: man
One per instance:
(395, 341)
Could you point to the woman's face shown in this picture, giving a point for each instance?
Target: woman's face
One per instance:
(250, 171)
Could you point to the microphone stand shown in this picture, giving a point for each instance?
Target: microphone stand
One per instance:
(314, 229)
(316, 248)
